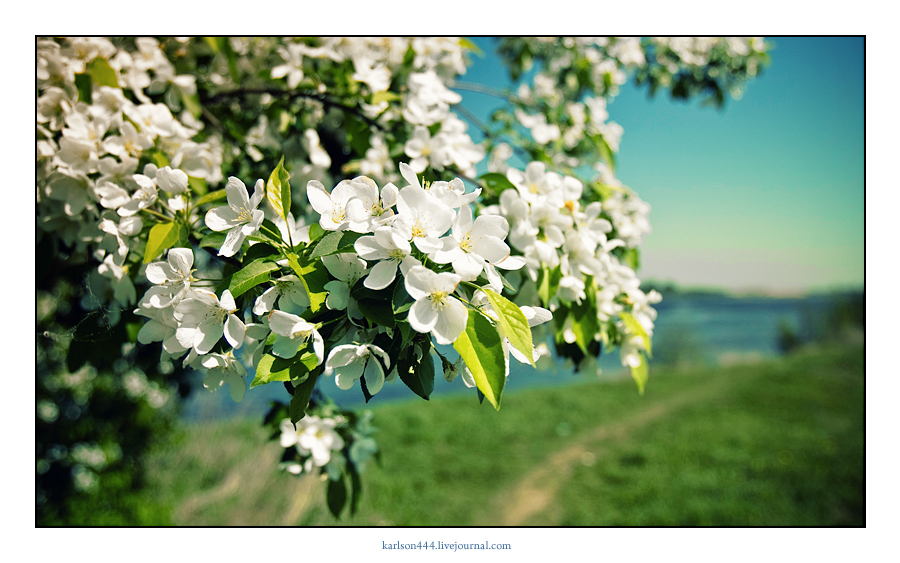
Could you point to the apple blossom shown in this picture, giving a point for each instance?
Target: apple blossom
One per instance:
(240, 218)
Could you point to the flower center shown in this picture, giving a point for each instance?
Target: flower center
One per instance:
(466, 243)
(300, 333)
(438, 299)
(418, 230)
(243, 214)
(337, 212)
(396, 254)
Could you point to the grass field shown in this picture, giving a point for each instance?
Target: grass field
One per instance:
(775, 443)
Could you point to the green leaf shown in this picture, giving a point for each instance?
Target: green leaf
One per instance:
(585, 323)
(337, 496)
(549, 284)
(636, 328)
(606, 153)
(211, 197)
(162, 237)
(384, 96)
(272, 368)
(213, 43)
(512, 322)
(314, 277)
(302, 393)
(278, 190)
(419, 375)
(355, 488)
(160, 159)
(261, 250)
(335, 242)
(315, 232)
(481, 349)
(102, 74)
(198, 185)
(213, 240)
(632, 257)
(401, 300)
(251, 275)
(83, 85)
(641, 374)
(379, 312)
(496, 182)
(191, 103)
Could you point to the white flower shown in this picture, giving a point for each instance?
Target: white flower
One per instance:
(292, 333)
(472, 244)
(293, 65)
(172, 181)
(377, 77)
(144, 197)
(422, 218)
(387, 246)
(317, 155)
(290, 293)
(366, 210)
(161, 327)
(435, 310)
(348, 269)
(349, 362)
(222, 369)
(240, 218)
(542, 131)
(332, 207)
(205, 318)
(314, 436)
(172, 278)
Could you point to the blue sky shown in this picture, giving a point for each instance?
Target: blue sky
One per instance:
(765, 194)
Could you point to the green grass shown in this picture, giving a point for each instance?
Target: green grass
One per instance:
(777, 443)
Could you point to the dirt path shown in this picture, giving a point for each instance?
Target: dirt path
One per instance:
(533, 494)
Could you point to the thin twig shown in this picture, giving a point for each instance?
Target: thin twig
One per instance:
(456, 85)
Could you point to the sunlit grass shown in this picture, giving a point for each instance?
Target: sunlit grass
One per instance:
(778, 443)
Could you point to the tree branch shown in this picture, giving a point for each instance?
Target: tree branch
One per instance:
(291, 94)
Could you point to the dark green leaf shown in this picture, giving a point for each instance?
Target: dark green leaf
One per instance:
(314, 277)
(355, 488)
(585, 325)
(213, 240)
(302, 393)
(315, 232)
(83, 85)
(418, 374)
(337, 496)
(401, 300)
(261, 250)
(496, 182)
(548, 284)
(335, 242)
(272, 368)
(251, 275)
(377, 311)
